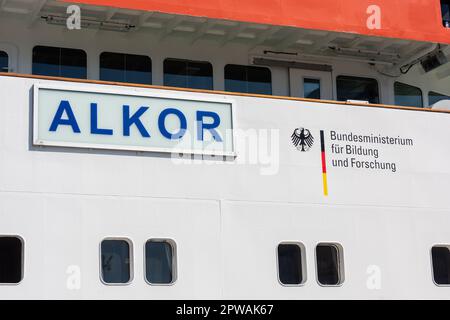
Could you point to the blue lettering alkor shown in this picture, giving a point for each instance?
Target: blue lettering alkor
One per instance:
(211, 127)
(64, 107)
(94, 122)
(134, 120)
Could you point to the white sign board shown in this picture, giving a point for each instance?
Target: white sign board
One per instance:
(127, 120)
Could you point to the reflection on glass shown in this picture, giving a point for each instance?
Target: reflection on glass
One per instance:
(3, 61)
(248, 79)
(188, 74)
(59, 62)
(128, 68)
(290, 264)
(115, 256)
(159, 262)
(408, 96)
(356, 88)
(311, 88)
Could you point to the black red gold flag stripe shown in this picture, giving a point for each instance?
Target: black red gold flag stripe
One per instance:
(324, 163)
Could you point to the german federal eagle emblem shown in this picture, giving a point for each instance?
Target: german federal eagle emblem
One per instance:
(302, 139)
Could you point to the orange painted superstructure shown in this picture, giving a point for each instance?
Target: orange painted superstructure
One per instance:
(404, 19)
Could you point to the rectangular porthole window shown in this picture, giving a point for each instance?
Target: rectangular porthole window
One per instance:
(311, 88)
(160, 262)
(188, 74)
(291, 264)
(59, 62)
(116, 261)
(4, 63)
(11, 260)
(441, 265)
(408, 96)
(434, 97)
(128, 68)
(357, 88)
(248, 79)
(330, 267)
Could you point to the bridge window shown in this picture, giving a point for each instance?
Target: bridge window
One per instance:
(4, 61)
(248, 79)
(160, 261)
(329, 264)
(59, 62)
(311, 88)
(291, 264)
(188, 74)
(441, 264)
(356, 88)
(11, 260)
(128, 68)
(445, 8)
(434, 97)
(408, 96)
(116, 261)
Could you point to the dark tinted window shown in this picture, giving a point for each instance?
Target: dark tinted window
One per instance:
(159, 262)
(355, 88)
(408, 96)
(311, 88)
(188, 74)
(435, 97)
(11, 255)
(328, 264)
(441, 265)
(445, 7)
(248, 79)
(3, 61)
(115, 259)
(59, 62)
(290, 264)
(125, 68)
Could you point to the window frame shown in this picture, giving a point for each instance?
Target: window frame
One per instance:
(131, 264)
(173, 245)
(304, 267)
(320, 86)
(432, 263)
(187, 61)
(22, 258)
(125, 70)
(361, 76)
(247, 67)
(424, 106)
(341, 264)
(60, 61)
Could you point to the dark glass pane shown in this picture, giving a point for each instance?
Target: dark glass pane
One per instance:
(406, 95)
(445, 7)
(59, 62)
(159, 262)
(290, 264)
(46, 61)
(327, 264)
(354, 88)
(3, 61)
(441, 265)
(175, 73)
(115, 261)
(73, 63)
(10, 260)
(188, 74)
(112, 67)
(435, 97)
(200, 75)
(311, 88)
(259, 80)
(138, 69)
(247, 79)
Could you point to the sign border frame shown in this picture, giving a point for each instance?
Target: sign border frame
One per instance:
(136, 92)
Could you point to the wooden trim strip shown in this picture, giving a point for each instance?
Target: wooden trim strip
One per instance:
(135, 85)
